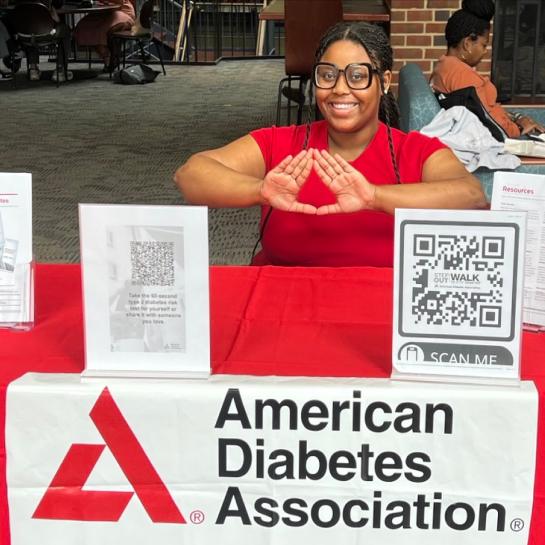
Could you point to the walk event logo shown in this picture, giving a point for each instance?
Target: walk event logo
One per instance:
(230, 460)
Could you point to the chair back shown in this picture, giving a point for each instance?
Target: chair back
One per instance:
(417, 103)
(146, 14)
(305, 23)
(32, 20)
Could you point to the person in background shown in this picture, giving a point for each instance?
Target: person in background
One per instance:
(33, 53)
(467, 34)
(7, 43)
(328, 189)
(94, 28)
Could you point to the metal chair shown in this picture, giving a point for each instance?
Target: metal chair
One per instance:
(119, 40)
(305, 23)
(35, 28)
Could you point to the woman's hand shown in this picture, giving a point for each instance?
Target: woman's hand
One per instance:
(282, 184)
(528, 125)
(352, 190)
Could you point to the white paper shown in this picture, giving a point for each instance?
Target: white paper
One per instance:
(458, 293)
(519, 191)
(16, 289)
(525, 148)
(145, 280)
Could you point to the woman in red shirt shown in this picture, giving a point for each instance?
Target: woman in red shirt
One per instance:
(467, 34)
(328, 189)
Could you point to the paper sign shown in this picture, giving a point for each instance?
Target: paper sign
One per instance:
(269, 460)
(145, 284)
(519, 191)
(16, 279)
(458, 293)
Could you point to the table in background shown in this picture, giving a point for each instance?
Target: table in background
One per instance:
(67, 13)
(372, 11)
(264, 321)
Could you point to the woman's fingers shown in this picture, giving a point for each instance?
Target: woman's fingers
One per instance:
(304, 174)
(294, 163)
(303, 208)
(344, 164)
(328, 209)
(283, 164)
(301, 165)
(326, 178)
(332, 162)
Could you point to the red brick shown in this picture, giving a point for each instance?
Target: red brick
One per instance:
(398, 15)
(424, 65)
(485, 67)
(419, 40)
(435, 28)
(399, 39)
(454, 4)
(407, 28)
(404, 4)
(434, 53)
(408, 53)
(420, 15)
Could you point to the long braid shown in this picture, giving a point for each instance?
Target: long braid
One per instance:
(391, 109)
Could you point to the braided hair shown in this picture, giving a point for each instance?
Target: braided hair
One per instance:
(472, 21)
(375, 42)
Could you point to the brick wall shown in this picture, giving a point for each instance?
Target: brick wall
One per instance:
(417, 33)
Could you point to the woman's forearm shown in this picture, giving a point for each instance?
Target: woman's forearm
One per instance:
(456, 194)
(204, 180)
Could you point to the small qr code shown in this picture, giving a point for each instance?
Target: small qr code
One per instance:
(152, 263)
(457, 280)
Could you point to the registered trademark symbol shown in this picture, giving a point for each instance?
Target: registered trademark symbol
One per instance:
(196, 517)
(517, 525)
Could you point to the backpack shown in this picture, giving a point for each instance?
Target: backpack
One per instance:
(135, 74)
(468, 97)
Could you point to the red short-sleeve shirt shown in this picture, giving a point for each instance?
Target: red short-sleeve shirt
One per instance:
(363, 238)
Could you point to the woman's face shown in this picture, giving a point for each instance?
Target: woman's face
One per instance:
(476, 49)
(349, 110)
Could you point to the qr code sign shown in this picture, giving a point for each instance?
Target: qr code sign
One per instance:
(152, 263)
(456, 280)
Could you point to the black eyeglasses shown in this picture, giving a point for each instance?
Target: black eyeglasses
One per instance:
(358, 75)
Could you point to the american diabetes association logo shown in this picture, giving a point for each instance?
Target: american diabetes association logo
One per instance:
(65, 498)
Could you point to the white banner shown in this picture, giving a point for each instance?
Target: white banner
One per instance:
(247, 460)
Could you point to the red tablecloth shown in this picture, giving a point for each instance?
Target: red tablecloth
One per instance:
(270, 320)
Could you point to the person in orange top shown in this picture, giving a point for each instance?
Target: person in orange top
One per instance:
(467, 34)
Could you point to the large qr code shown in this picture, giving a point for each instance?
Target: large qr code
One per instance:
(152, 263)
(456, 279)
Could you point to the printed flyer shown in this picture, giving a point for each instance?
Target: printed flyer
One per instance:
(519, 191)
(458, 293)
(145, 279)
(16, 279)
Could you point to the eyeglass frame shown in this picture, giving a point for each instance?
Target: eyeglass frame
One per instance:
(368, 65)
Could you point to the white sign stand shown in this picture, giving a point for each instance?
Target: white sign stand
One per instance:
(16, 264)
(458, 295)
(145, 290)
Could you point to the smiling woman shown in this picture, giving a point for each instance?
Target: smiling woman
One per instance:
(328, 189)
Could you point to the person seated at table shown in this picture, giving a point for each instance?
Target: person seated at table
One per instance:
(467, 34)
(93, 30)
(33, 53)
(7, 46)
(329, 189)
